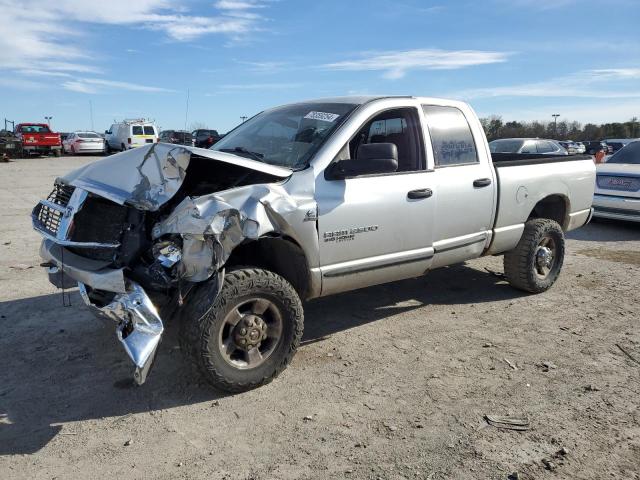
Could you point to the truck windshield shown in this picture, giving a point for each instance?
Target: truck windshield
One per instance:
(286, 136)
(629, 154)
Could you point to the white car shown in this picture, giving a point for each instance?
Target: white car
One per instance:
(130, 134)
(617, 194)
(83, 142)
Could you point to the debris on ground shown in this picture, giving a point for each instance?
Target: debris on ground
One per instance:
(511, 364)
(128, 442)
(21, 266)
(591, 388)
(508, 423)
(546, 366)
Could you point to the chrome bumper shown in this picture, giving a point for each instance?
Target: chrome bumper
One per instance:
(139, 325)
(616, 208)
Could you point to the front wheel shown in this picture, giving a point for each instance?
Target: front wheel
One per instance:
(250, 332)
(535, 264)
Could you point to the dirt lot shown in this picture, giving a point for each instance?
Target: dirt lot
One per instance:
(391, 382)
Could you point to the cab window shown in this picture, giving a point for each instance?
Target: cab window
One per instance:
(451, 136)
(399, 126)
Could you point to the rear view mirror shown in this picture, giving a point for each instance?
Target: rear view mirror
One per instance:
(371, 159)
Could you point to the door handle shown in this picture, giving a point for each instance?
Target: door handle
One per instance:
(422, 193)
(482, 182)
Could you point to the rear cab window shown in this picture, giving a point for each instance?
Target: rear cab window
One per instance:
(451, 136)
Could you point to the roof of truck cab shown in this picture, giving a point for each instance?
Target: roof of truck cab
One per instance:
(362, 99)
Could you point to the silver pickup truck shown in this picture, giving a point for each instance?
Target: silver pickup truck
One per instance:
(301, 201)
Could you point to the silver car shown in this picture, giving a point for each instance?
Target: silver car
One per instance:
(83, 142)
(617, 193)
(527, 145)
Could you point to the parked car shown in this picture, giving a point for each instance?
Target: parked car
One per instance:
(10, 145)
(595, 146)
(527, 145)
(178, 137)
(205, 138)
(301, 201)
(130, 134)
(38, 138)
(581, 147)
(616, 144)
(617, 193)
(83, 142)
(569, 146)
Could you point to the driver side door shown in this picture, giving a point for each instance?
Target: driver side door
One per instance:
(377, 228)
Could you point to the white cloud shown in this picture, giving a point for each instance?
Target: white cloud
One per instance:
(396, 64)
(98, 85)
(43, 36)
(603, 83)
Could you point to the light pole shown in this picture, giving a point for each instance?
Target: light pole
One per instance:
(555, 122)
(243, 118)
(48, 119)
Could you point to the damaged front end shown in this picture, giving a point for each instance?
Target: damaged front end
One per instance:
(137, 230)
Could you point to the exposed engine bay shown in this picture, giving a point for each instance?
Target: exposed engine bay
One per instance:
(136, 246)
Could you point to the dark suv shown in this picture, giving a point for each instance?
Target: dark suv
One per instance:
(179, 137)
(205, 138)
(594, 146)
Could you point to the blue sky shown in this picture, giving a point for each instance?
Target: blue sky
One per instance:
(522, 59)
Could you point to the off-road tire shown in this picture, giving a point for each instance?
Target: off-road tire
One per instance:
(520, 263)
(199, 334)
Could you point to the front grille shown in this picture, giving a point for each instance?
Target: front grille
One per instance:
(50, 217)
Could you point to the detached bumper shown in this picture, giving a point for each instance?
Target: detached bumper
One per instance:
(139, 326)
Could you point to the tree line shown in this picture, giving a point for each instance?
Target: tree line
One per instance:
(495, 127)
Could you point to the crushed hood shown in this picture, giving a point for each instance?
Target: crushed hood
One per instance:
(148, 177)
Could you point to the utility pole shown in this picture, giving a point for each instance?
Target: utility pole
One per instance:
(243, 118)
(555, 123)
(91, 114)
(186, 115)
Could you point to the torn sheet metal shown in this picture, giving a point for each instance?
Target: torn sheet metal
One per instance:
(213, 225)
(160, 169)
(139, 324)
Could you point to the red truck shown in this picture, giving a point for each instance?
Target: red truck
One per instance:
(39, 139)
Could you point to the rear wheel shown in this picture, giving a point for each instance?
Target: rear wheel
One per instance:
(122, 147)
(535, 264)
(250, 332)
(57, 152)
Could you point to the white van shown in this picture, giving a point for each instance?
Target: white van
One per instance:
(130, 134)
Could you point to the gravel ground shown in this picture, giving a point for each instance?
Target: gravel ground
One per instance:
(391, 382)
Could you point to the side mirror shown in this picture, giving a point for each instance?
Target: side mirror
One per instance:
(108, 132)
(371, 159)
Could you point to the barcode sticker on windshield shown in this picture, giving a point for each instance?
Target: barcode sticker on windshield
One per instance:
(325, 117)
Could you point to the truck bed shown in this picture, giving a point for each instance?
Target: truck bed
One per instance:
(516, 159)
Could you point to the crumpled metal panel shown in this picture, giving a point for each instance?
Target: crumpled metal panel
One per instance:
(224, 220)
(160, 169)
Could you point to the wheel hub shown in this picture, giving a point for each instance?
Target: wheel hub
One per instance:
(249, 332)
(544, 257)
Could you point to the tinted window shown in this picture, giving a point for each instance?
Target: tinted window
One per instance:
(149, 130)
(529, 147)
(399, 126)
(505, 146)
(628, 154)
(546, 147)
(35, 129)
(88, 135)
(451, 136)
(136, 130)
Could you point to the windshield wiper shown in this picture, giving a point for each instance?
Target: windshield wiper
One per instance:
(254, 155)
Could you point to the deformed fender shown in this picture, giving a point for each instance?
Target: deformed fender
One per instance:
(212, 225)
